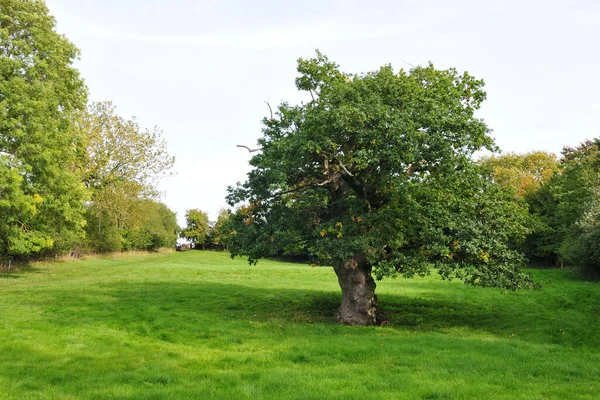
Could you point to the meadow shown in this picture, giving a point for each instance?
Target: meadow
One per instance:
(198, 325)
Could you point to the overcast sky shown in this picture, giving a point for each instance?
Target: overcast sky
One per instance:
(202, 70)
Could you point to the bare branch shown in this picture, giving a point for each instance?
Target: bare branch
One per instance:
(407, 63)
(339, 162)
(270, 109)
(329, 180)
(343, 166)
(248, 148)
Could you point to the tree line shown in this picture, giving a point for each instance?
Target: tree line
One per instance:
(562, 196)
(73, 174)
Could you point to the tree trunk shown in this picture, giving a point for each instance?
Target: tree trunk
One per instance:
(359, 302)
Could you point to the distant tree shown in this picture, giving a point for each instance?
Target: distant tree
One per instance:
(120, 152)
(197, 227)
(102, 232)
(154, 226)
(524, 173)
(156, 229)
(120, 166)
(582, 246)
(41, 193)
(374, 174)
(568, 204)
(219, 233)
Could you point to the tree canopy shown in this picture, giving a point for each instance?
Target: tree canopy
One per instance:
(375, 174)
(524, 173)
(41, 193)
(67, 170)
(197, 227)
(120, 165)
(568, 207)
(219, 233)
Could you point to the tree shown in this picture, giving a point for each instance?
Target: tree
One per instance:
(219, 233)
(41, 193)
(524, 173)
(582, 246)
(197, 228)
(120, 152)
(374, 174)
(157, 227)
(120, 165)
(568, 205)
(152, 225)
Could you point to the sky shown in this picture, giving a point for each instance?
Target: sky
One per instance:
(203, 70)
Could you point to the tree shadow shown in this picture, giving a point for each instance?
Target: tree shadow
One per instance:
(9, 275)
(183, 311)
(18, 270)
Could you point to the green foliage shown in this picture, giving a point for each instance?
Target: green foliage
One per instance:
(197, 227)
(102, 232)
(120, 154)
(41, 193)
(16, 206)
(583, 247)
(155, 227)
(567, 205)
(379, 166)
(120, 166)
(220, 233)
(200, 325)
(524, 173)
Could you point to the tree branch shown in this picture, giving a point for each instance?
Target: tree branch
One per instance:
(248, 148)
(270, 109)
(297, 188)
(330, 179)
(343, 166)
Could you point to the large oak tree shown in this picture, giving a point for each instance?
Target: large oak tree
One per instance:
(374, 175)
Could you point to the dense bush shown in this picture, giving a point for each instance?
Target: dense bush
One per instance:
(152, 226)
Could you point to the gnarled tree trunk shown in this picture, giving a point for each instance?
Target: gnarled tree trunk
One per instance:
(359, 302)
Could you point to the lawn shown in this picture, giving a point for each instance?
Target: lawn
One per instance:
(198, 325)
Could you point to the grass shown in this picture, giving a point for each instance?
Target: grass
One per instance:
(197, 325)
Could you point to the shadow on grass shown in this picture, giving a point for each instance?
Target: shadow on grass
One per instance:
(175, 340)
(9, 275)
(187, 311)
(18, 270)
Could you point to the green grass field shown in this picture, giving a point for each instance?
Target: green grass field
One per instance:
(197, 325)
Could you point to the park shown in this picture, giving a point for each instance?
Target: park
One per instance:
(376, 242)
(199, 325)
